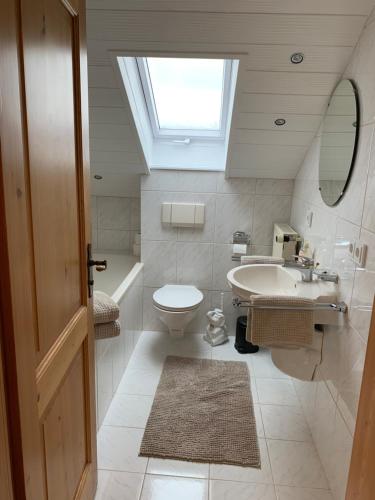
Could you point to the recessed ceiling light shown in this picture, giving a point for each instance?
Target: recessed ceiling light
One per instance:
(297, 58)
(98, 177)
(280, 121)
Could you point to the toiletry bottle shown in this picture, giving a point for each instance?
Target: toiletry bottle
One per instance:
(305, 250)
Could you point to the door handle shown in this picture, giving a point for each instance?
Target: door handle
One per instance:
(100, 265)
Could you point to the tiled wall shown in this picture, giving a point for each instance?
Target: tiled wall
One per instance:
(331, 403)
(115, 221)
(112, 355)
(203, 256)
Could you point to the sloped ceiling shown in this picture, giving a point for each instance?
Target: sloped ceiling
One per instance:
(267, 32)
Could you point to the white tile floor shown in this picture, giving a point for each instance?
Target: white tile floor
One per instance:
(291, 469)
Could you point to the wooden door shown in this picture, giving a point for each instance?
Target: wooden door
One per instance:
(361, 483)
(46, 310)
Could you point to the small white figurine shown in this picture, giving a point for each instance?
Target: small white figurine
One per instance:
(216, 331)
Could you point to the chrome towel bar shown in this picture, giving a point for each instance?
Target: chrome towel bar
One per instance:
(321, 306)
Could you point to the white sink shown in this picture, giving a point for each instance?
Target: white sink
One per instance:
(272, 279)
(265, 279)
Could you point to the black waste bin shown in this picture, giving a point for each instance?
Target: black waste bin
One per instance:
(241, 344)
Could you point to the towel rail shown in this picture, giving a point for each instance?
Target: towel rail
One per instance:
(321, 306)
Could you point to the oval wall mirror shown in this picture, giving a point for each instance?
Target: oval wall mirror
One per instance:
(339, 142)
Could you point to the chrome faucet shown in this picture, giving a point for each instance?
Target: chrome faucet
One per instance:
(326, 275)
(306, 266)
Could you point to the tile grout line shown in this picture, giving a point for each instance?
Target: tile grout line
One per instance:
(270, 462)
(213, 479)
(143, 482)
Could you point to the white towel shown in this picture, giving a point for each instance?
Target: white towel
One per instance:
(105, 309)
(261, 259)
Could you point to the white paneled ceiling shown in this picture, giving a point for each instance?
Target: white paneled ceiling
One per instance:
(265, 32)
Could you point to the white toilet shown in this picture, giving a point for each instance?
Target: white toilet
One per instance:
(177, 305)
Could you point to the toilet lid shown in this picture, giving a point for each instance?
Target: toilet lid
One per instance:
(177, 297)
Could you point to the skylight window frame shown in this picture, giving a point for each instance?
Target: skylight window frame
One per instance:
(184, 134)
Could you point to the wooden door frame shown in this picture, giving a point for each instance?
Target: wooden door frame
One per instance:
(17, 311)
(361, 482)
(6, 482)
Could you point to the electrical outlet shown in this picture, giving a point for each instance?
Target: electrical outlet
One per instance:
(359, 254)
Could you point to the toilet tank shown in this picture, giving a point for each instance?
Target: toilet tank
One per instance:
(285, 241)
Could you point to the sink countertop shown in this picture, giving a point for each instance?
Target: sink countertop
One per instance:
(321, 291)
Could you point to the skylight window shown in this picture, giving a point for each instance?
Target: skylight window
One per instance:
(186, 98)
(181, 109)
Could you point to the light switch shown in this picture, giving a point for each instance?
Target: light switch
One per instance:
(351, 248)
(199, 214)
(360, 252)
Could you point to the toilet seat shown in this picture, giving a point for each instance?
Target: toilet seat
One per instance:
(177, 298)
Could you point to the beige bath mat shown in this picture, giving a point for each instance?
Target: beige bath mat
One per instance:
(203, 412)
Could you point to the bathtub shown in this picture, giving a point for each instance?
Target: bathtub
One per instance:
(123, 281)
(118, 269)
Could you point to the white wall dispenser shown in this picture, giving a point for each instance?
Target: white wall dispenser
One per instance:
(240, 248)
(285, 241)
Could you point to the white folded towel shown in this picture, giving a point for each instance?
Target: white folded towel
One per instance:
(107, 330)
(261, 259)
(105, 309)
